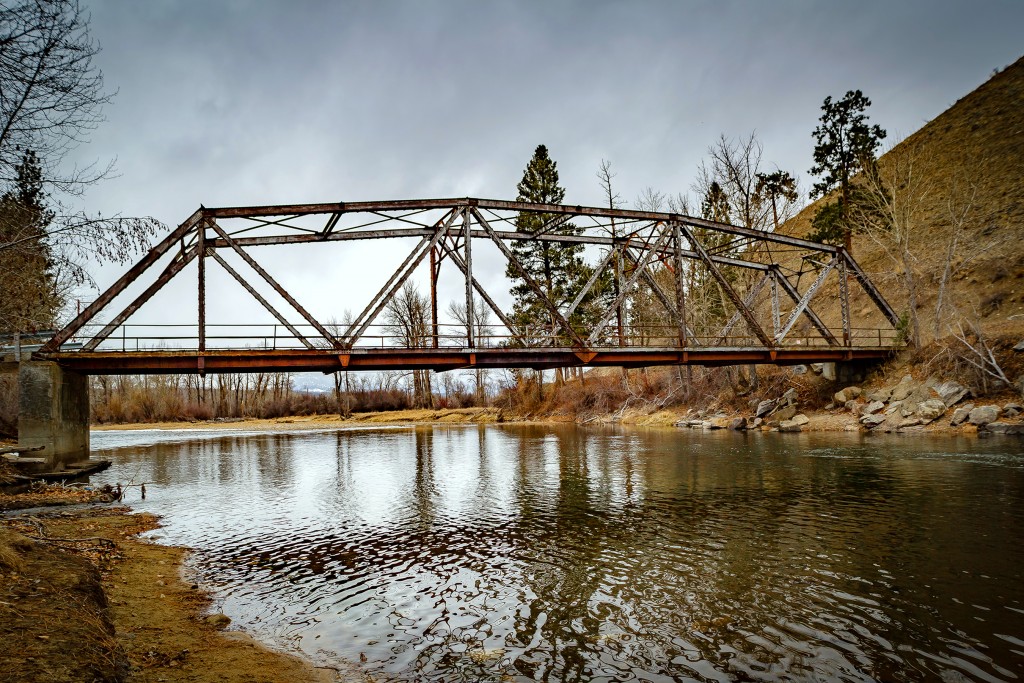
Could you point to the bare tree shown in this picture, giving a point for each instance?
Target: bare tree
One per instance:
(482, 330)
(407, 323)
(342, 383)
(51, 98)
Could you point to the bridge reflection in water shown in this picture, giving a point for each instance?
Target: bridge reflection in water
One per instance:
(560, 553)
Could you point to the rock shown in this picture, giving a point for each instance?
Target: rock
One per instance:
(1019, 346)
(853, 407)
(847, 394)
(738, 423)
(764, 407)
(872, 407)
(1005, 428)
(801, 419)
(961, 414)
(218, 620)
(757, 422)
(818, 368)
(785, 413)
(799, 369)
(881, 395)
(909, 422)
(1012, 410)
(907, 408)
(872, 421)
(931, 410)
(893, 407)
(951, 393)
(921, 394)
(830, 406)
(789, 426)
(982, 415)
(905, 388)
(789, 396)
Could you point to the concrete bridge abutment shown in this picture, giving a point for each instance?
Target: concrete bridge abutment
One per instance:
(53, 412)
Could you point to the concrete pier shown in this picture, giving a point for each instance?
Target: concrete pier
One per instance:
(53, 413)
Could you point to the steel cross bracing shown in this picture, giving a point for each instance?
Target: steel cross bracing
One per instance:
(684, 266)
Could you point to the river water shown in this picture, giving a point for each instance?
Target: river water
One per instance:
(577, 554)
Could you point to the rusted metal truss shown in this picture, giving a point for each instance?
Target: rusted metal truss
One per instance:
(666, 257)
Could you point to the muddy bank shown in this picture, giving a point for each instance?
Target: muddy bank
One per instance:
(84, 599)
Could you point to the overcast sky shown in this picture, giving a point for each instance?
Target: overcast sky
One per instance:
(232, 102)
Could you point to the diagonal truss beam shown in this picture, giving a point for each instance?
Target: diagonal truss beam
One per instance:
(256, 295)
(397, 279)
(461, 265)
(531, 283)
(803, 302)
(662, 297)
(598, 270)
(273, 283)
(748, 316)
(143, 264)
(749, 301)
(172, 269)
(793, 294)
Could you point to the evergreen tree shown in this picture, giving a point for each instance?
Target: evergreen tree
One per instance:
(776, 188)
(30, 297)
(558, 268)
(845, 145)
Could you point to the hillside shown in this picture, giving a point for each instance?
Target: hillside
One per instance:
(971, 155)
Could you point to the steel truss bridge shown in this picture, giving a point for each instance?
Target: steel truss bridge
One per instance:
(771, 318)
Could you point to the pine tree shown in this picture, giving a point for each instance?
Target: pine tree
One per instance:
(845, 145)
(31, 299)
(558, 268)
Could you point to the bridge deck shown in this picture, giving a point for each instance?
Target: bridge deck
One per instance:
(325, 360)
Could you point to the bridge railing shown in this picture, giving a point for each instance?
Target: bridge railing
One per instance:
(277, 337)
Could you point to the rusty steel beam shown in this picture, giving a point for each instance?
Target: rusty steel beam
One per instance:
(328, 360)
(559, 318)
(870, 289)
(457, 260)
(276, 286)
(748, 300)
(143, 264)
(663, 298)
(793, 294)
(805, 300)
(266, 304)
(172, 269)
(748, 316)
(513, 206)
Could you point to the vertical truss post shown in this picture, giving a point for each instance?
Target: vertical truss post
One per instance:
(677, 236)
(435, 269)
(201, 246)
(844, 298)
(466, 224)
(776, 315)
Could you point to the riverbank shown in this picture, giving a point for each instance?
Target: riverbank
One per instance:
(85, 599)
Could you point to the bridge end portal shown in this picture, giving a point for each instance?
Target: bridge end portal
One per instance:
(53, 412)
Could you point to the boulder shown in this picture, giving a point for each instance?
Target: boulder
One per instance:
(789, 396)
(908, 408)
(880, 395)
(872, 407)
(801, 419)
(847, 394)
(1012, 410)
(961, 414)
(738, 423)
(786, 413)
(1019, 346)
(951, 393)
(757, 422)
(853, 407)
(799, 369)
(910, 422)
(818, 368)
(1005, 428)
(982, 415)
(789, 426)
(931, 410)
(764, 407)
(716, 423)
(905, 388)
(872, 421)
(218, 620)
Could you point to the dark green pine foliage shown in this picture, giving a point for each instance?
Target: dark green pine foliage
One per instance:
(845, 145)
(29, 296)
(557, 268)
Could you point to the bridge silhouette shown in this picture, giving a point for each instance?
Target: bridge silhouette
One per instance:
(767, 284)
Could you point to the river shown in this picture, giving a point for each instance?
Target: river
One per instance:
(560, 553)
